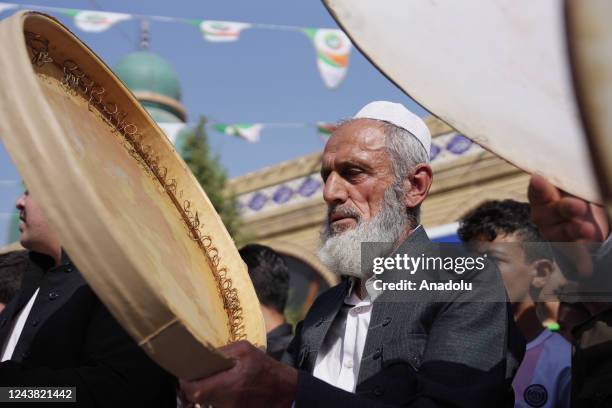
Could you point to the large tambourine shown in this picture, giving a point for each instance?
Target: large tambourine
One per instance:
(496, 71)
(125, 206)
(590, 44)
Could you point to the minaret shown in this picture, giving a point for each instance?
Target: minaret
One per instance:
(144, 35)
(156, 85)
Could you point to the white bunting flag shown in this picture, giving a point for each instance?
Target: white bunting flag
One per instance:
(248, 132)
(333, 48)
(97, 21)
(222, 31)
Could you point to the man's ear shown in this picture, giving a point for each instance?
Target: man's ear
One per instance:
(542, 270)
(417, 185)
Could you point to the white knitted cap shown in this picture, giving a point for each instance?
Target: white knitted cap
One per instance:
(400, 116)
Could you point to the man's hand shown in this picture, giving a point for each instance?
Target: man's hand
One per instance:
(565, 218)
(561, 217)
(255, 380)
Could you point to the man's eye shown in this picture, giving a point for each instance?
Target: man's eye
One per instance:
(352, 172)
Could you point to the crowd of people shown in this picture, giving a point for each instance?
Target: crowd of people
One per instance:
(357, 346)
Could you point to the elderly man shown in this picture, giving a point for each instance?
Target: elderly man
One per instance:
(354, 348)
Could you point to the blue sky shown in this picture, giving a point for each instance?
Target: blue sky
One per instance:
(267, 76)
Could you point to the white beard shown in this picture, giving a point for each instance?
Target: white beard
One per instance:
(341, 252)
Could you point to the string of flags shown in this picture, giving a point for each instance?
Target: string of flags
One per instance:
(443, 147)
(332, 46)
(249, 132)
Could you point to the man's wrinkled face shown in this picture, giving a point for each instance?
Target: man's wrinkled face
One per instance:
(356, 169)
(34, 232)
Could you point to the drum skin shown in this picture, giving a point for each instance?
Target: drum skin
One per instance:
(125, 206)
(589, 35)
(497, 71)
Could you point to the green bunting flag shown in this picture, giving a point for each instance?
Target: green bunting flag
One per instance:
(325, 129)
(248, 132)
(333, 48)
(222, 31)
(95, 21)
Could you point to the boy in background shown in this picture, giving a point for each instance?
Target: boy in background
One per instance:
(503, 230)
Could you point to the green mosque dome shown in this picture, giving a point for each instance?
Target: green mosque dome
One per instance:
(155, 83)
(146, 71)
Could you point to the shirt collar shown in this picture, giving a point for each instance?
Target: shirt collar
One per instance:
(352, 298)
(47, 263)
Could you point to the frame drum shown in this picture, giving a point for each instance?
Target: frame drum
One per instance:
(125, 206)
(496, 71)
(590, 44)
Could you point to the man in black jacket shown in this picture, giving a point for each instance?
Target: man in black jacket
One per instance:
(361, 348)
(270, 276)
(56, 332)
(12, 267)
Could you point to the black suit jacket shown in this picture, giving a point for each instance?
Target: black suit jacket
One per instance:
(417, 354)
(278, 340)
(70, 339)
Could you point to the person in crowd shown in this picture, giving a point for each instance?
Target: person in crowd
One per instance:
(270, 277)
(571, 313)
(355, 347)
(12, 267)
(548, 314)
(564, 218)
(56, 332)
(504, 231)
(548, 305)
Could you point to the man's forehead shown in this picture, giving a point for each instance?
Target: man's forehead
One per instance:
(358, 134)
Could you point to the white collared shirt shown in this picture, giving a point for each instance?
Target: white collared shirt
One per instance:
(340, 355)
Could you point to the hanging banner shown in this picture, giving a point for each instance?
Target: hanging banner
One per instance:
(333, 48)
(222, 31)
(7, 6)
(96, 21)
(248, 132)
(172, 129)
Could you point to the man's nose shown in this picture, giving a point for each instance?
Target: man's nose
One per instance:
(335, 191)
(20, 203)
